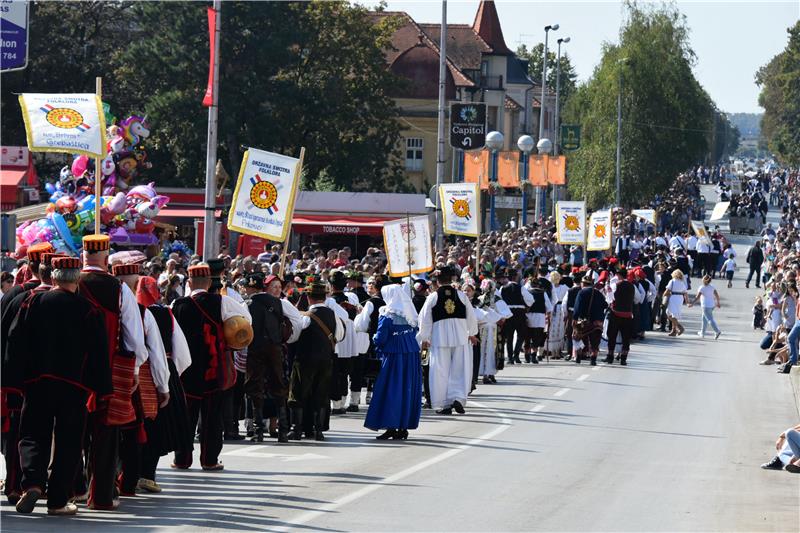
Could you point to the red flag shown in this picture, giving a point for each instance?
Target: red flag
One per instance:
(208, 99)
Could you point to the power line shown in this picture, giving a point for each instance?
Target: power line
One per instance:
(666, 127)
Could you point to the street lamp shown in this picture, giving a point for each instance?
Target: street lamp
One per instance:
(525, 144)
(557, 126)
(494, 141)
(544, 146)
(622, 61)
(547, 29)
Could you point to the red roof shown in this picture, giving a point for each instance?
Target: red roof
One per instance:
(10, 181)
(487, 25)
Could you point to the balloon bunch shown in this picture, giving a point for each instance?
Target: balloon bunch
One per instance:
(126, 212)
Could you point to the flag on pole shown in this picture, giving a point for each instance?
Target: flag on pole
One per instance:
(71, 123)
(407, 242)
(599, 236)
(461, 209)
(571, 222)
(208, 97)
(720, 208)
(699, 229)
(649, 215)
(263, 201)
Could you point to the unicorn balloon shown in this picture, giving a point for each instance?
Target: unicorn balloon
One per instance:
(134, 129)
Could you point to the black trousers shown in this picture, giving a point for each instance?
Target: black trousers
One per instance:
(130, 455)
(342, 367)
(11, 454)
(52, 408)
(209, 407)
(233, 400)
(515, 324)
(623, 326)
(103, 461)
(426, 382)
(357, 379)
(149, 455)
(310, 383)
(476, 361)
(757, 271)
(265, 374)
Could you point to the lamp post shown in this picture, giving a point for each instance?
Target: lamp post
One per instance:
(557, 125)
(525, 145)
(494, 141)
(544, 146)
(618, 197)
(547, 29)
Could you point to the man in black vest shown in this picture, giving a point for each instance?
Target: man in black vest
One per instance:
(311, 370)
(367, 322)
(621, 318)
(345, 351)
(517, 300)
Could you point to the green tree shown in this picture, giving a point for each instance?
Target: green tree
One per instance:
(667, 116)
(569, 76)
(780, 97)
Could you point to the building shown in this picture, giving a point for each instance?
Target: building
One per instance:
(480, 68)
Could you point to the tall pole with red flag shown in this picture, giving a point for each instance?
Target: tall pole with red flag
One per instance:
(211, 100)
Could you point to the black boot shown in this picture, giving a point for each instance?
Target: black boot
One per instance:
(297, 424)
(319, 423)
(283, 424)
(258, 433)
(593, 360)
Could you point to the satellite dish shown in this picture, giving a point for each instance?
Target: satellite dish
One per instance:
(433, 195)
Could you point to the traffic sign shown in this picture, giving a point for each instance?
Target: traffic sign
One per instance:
(468, 126)
(13, 35)
(570, 137)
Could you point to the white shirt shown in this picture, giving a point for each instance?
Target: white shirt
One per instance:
(677, 242)
(362, 320)
(156, 354)
(450, 332)
(294, 316)
(346, 347)
(229, 307)
(181, 355)
(702, 246)
(729, 264)
(706, 294)
(340, 332)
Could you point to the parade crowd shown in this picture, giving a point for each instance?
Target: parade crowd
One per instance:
(112, 360)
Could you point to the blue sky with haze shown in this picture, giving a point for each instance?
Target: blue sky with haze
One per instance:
(732, 39)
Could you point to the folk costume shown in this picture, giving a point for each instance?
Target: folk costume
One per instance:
(358, 296)
(395, 403)
(313, 363)
(367, 323)
(211, 372)
(126, 353)
(56, 372)
(446, 322)
(169, 430)
(347, 350)
(495, 311)
(518, 301)
(11, 401)
(536, 318)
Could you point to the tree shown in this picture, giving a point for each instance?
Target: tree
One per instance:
(780, 97)
(569, 76)
(667, 116)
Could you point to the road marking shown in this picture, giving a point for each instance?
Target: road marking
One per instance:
(595, 369)
(561, 392)
(583, 377)
(394, 478)
(537, 408)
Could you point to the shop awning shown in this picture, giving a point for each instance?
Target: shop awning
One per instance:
(10, 180)
(339, 225)
(185, 212)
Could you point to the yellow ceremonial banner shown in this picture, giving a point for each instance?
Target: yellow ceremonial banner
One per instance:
(557, 170)
(649, 215)
(571, 222)
(537, 170)
(263, 202)
(407, 242)
(70, 123)
(461, 208)
(599, 235)
(476, 168)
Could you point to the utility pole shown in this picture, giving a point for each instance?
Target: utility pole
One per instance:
(440, 155)
(210, 241)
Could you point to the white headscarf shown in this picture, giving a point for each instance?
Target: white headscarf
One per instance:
(398, 301)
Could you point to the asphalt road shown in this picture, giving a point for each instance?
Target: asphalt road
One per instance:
(672, 442)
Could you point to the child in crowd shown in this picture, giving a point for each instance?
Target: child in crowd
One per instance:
(728, 268)
(758, 313)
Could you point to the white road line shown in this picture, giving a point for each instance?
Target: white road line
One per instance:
(561, 392)
(394, 478)
(583, 377)
(537, 408)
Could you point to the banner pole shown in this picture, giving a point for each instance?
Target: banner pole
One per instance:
(408, 253)
(98, 171)
(290, 214)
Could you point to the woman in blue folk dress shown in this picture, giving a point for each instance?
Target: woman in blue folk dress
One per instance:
(396, 405)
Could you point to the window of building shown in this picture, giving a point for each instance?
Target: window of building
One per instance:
(414, 153)
(484, 68)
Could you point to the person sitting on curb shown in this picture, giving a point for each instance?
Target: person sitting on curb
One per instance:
(788, 456)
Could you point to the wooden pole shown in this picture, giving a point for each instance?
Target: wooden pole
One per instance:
(98, 170)
(478, 254)
(408, 252)
(290, 213)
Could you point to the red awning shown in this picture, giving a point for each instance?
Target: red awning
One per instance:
(10, 180)
(185, 212)
(339, 225)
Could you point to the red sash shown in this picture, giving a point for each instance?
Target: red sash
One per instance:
(220, 370)
(147, 391)
(120, 409)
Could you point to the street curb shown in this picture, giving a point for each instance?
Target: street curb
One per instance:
(794, 378)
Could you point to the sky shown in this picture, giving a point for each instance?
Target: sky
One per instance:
(731, 39)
